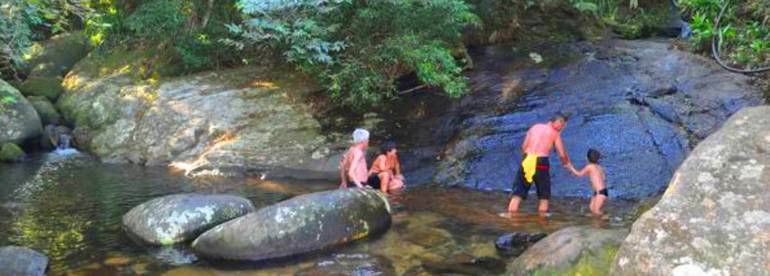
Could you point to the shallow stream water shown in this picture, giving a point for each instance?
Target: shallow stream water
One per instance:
(70, 209)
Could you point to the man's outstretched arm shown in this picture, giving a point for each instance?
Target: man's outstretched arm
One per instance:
(561, 151)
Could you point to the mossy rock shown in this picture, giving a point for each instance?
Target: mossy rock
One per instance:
(45, 109)
(56, 56)
(49, 87)
(10, 152)
(595, 263)
(577, 250)
(18, 119)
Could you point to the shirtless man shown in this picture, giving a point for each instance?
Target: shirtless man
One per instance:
(534, 168)
(353, 164)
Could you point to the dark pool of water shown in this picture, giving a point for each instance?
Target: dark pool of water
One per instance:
(70, 209)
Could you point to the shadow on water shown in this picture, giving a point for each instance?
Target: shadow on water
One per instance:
(70, 209)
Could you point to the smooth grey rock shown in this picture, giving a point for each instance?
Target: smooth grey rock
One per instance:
(18, 119)
(299, 225)
(21, 261)
(714, 218)
(181, 217)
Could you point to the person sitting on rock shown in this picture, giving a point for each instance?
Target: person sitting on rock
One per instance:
(353, 163)
(385, 173)
(534, 168)
(596, 174)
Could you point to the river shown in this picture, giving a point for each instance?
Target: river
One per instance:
(70, 209)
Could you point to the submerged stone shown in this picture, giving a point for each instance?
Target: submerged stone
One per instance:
(576, 250)
(15, 260)
(178, 218)
(514, 244)
(471, 266)
(350, 264)
(299, 225)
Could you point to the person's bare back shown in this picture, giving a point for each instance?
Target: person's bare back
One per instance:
(596, 174)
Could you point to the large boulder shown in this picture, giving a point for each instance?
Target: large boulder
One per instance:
(56, 56)
(45, 109)
(231, 122)
(179, 218)
(18, 119)
(576, 250)
(714, 218)
(21, 261)
(642, 104)
(299, 225)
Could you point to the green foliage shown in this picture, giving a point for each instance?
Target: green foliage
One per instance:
(585, 6)
(629, 19)
(23, 21)
(744, 33)
(158, 19)
(357, 49)
(182, 32)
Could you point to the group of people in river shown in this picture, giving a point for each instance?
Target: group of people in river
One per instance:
(534, 168)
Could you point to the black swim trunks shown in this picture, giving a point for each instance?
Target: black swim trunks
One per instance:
(542, 180)
(373, 181)
(602, 192)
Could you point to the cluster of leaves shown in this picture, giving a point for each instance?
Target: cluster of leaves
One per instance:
(744, 31)
(358, 48)
(179, 31)
(628, 18)
(24, 21)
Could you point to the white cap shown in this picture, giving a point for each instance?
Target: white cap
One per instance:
(360, 135)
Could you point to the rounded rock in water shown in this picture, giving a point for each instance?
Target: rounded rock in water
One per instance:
(299, 225)
(15, 260)
(178, 218)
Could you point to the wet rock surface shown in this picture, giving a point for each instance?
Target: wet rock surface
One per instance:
(15, 260)
(178, 218)
(299, 225)
(514, 244)
(713, 219)
(570, 251)
(641, 103)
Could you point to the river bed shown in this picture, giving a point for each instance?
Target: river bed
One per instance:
(70, 209)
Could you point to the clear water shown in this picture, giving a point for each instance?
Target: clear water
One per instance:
(69, 207)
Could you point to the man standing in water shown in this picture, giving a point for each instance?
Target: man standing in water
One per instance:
(353, 164)
(534, 167)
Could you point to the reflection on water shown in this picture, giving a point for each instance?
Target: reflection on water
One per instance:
(70, 209)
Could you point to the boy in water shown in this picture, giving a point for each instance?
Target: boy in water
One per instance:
(596, 174)
(353, 164)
